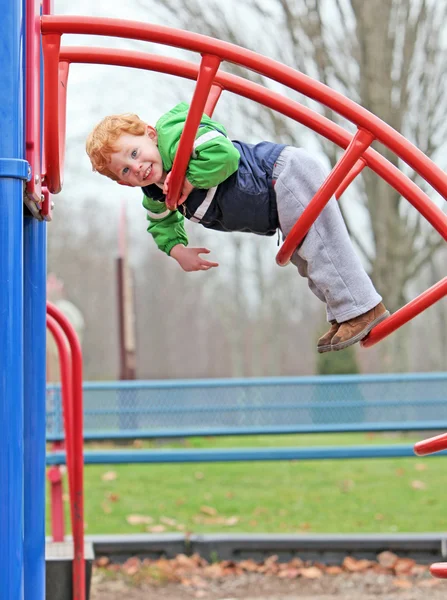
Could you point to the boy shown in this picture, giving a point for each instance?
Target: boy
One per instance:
(234, 186)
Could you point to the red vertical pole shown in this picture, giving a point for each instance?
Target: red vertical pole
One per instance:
(78, 458)
(207, 72)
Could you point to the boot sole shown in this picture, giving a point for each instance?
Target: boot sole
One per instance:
(362, 334)
(325, 348)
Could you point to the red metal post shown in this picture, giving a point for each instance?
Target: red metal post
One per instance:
(213, 98)
(78, 459)
(360, 142)
(54, 476)
(356, 170)
(55, 90)
(207, 72)
(67, 402)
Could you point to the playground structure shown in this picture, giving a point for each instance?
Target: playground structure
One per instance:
(23, 234)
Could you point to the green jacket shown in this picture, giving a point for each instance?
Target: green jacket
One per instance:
(212, 162)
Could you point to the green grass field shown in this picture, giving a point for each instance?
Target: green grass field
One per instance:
(331, 496)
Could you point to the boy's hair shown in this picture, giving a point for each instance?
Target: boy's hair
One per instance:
(101, 143)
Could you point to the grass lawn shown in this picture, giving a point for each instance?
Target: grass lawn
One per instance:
(329, 496)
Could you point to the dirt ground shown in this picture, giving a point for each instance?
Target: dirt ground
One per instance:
(255, 586)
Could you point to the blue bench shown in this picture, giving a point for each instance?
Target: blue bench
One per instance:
(128, 410)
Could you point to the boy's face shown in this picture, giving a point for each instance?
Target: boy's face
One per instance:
(137, 161)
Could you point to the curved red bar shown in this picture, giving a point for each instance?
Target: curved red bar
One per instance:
(406, 313)
(237, 85)
(77, 447)
(56, 24)
(67, 401)
(439, 570)
(431, 445)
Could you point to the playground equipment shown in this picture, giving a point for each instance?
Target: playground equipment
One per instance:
(423, 448)
(22, 241)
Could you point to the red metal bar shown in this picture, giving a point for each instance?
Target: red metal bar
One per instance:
(55, 90)
(356, 170)
(56, 503)
(47, 209)
(67, 402)
(207, 72)
(275, 101)
(263, 65)
(360, 142)
(78, 462)
(431, 445)
(32, 90)
(406, 313)
(213, 98)
(439, 570)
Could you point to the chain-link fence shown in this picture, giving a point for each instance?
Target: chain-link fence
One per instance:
(163, 408)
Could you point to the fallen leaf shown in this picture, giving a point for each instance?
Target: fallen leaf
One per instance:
(106, 508)
(311, 572)
(208, 510)
(418, 485)
(420, 466)
(102, 561)
(139, 520)
(231, 521)
(404, 566)
(387, 559)
(113, 497)
(355, 565)
(156, 528)
(109, 476)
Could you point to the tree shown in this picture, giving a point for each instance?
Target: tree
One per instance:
(394, 65)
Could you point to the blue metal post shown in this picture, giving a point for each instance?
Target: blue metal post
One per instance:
(13, 172)
(34, 258)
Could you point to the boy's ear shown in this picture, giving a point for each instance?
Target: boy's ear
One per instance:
(152, 133)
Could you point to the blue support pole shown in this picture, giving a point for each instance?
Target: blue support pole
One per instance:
(13, 172)
(34, 258)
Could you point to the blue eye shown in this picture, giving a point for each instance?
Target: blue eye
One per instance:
(125, 170)
(134, 154)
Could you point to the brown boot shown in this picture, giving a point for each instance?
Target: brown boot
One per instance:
(324, 343)
(356, 329)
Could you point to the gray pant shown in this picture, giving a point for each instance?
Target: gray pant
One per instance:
(326, 257)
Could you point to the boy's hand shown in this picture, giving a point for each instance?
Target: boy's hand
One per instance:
(190, 260)
(186, 189)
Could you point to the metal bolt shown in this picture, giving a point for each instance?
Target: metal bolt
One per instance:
(52, 205)
(36, 179)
